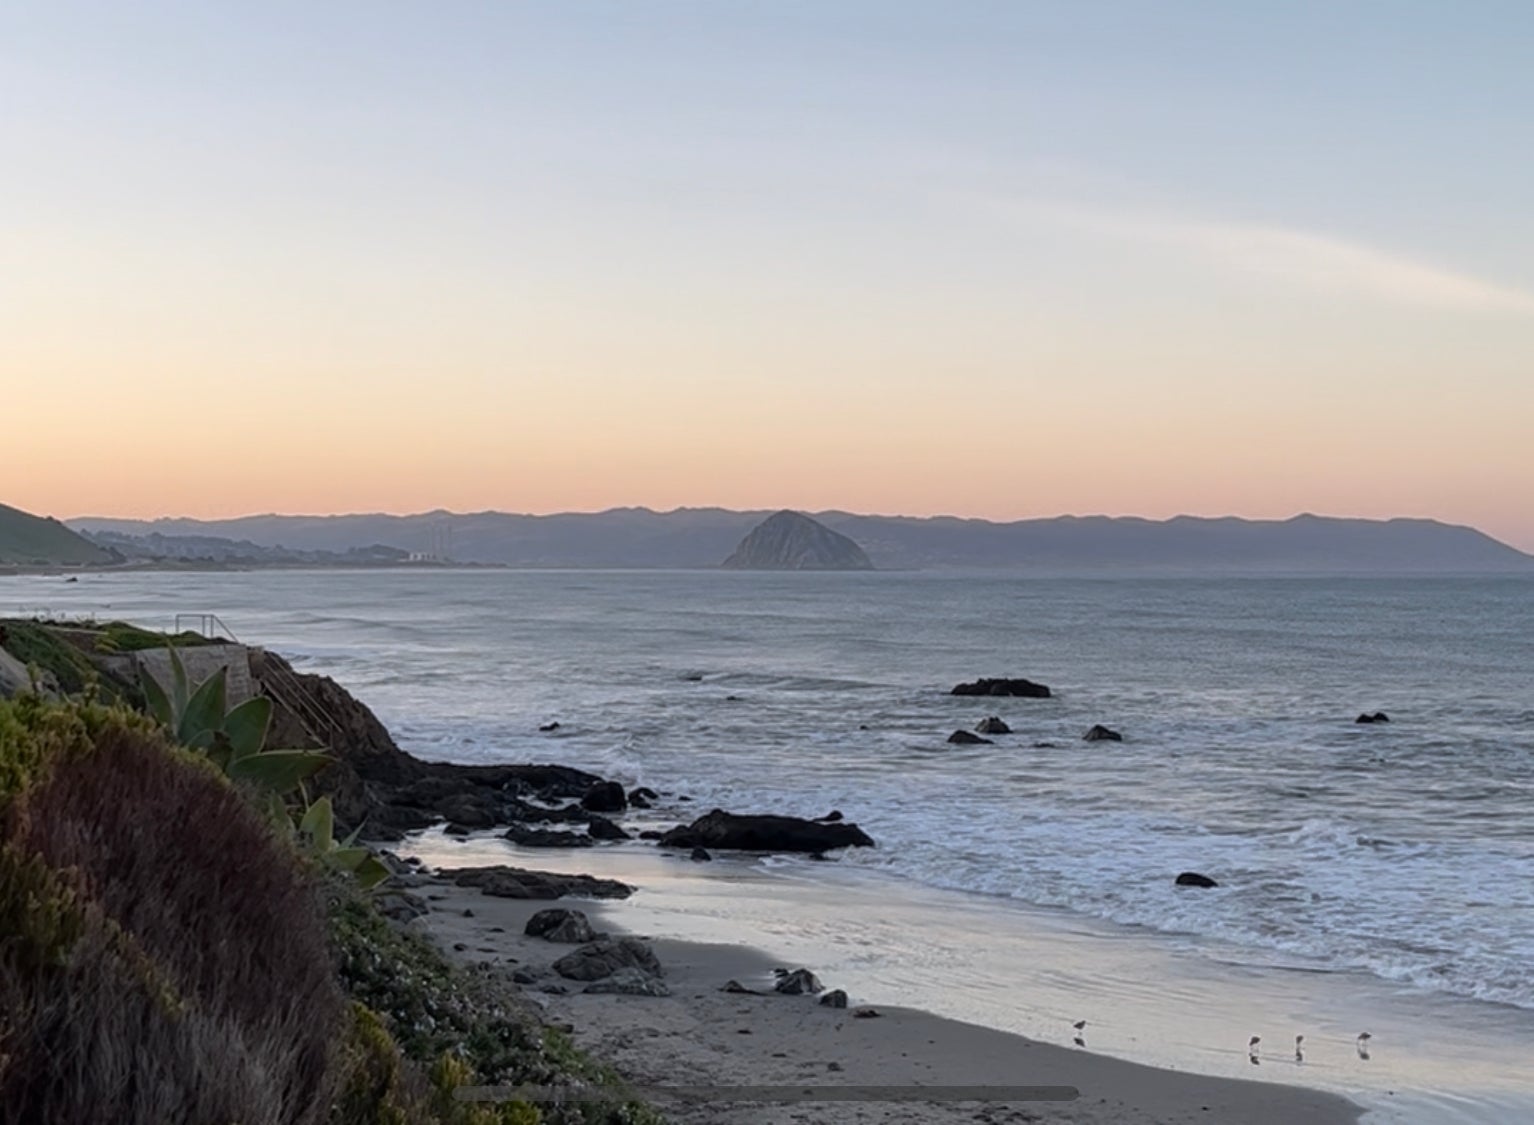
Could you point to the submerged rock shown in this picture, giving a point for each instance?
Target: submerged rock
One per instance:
(1194, 879)
(1003, 686)
(700, 855)
(604, 958)
(964, 738)
(736, 831)
(1377, 717)
(992, 725)
(547, 727)
(1100, 733)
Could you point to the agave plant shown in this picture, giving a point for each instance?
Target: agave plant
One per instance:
(231, 738)
(317, 837)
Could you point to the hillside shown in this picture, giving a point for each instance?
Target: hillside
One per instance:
(28, 540)
(791, 541)
(700, 537)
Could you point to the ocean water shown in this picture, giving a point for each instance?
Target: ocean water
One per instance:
(1404, 850)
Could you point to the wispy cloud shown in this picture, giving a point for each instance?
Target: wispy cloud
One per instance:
(1314, 261)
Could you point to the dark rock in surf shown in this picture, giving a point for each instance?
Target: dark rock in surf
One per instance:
(571, 927)
(1376, 717)
(541, 838)
(456, 830)
(601, 828)
(650, 834)
(992, 725)
(1194, 879)
(471, 810)
(831, 817)
(1100, 733)
(836, 998)
(548, 727)
(700, 855)
(642, 798)
(1026, 689)
(964, 738)
(800, 982)
(735, 831)
(605, 796)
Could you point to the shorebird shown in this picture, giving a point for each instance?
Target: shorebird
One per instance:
(1299, 1048)
(1251, 1044)
(1080, 1025)
(1364, 1037)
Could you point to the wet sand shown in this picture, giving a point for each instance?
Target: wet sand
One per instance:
(702, 1036)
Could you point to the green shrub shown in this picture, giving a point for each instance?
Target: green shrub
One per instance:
(164, 956)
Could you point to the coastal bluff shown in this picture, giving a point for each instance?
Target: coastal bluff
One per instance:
(793, 541)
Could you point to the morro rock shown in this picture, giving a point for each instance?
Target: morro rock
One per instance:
(793, 541)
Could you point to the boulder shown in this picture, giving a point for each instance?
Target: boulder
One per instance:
(836, 998)
(601, 828)
(1376, 717)
(629, 982)
(502, 881)
(518, 809)
(964, 738)
(700, 855)
(992, 725)
(1194, 879)
(605, 796)
(540, 838)
(570, 927)
(457, 830)
(720, 829)
(645, 793)
(651, 834)
(1002, 686)
(524, 976)
(603, 958)
(800, 982)
(1100, 733)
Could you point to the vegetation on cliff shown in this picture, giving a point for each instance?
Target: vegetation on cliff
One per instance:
(172, 954)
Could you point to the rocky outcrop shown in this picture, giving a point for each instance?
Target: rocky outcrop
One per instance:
(1100, 733)
(720, 829)
(603, 958)
(794, 541)
(1376, 717)
(992, 725)
(501, 881)
(1194, 879)
(375, 784)
(1026, 689)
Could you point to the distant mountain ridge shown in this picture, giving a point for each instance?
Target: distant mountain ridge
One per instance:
(793, 541)
(701, 537)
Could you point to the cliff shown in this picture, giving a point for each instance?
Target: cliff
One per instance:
(791, 541)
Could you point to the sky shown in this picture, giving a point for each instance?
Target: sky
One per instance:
(989, 259)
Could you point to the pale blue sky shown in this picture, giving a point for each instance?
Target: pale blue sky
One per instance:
(1259, 258)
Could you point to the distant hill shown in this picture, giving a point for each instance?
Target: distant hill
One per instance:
(700, 537)
(28, 540)
(155, 547)
(791, 541)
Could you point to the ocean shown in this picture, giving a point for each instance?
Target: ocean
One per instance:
(1401, 852)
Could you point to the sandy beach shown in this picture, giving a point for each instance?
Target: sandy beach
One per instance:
(702, 1036)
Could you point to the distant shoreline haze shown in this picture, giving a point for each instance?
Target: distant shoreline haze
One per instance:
(702, 537)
